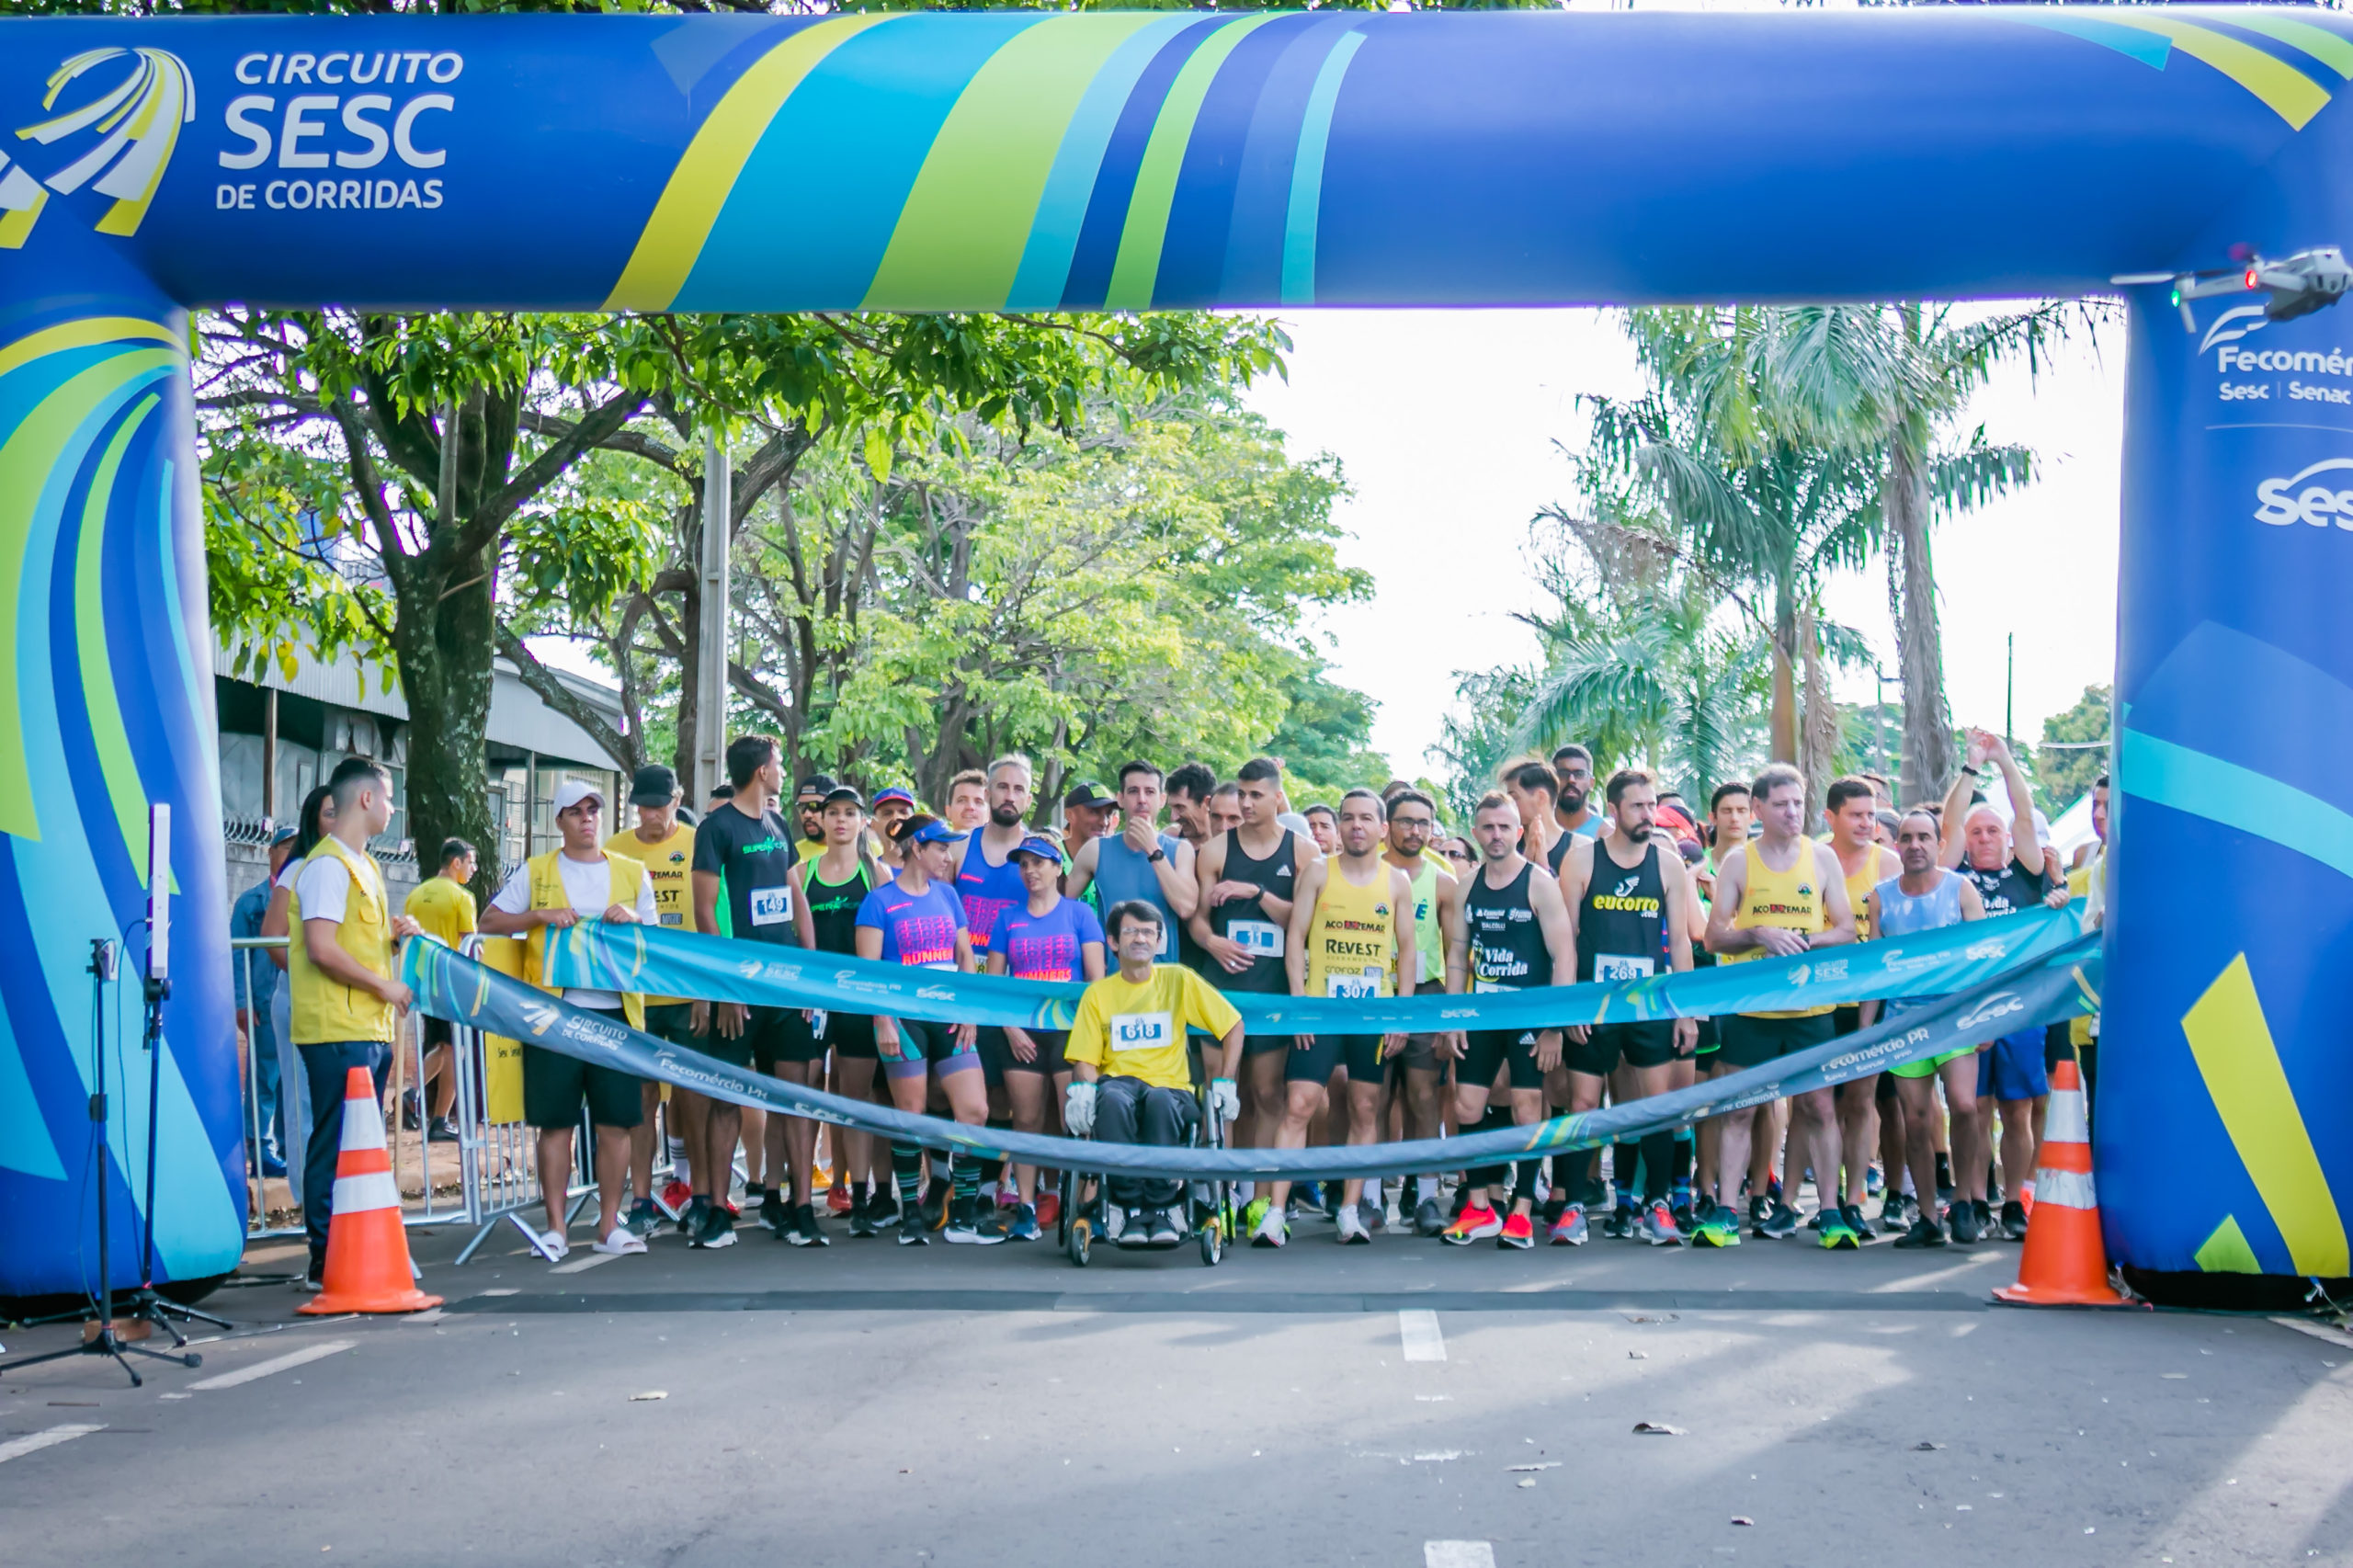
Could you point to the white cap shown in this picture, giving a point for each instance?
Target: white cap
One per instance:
(1296, 823)
(572, 792)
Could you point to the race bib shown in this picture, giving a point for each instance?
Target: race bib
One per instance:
(1618, 966)
(1259, 939)
(672, 917)
(1141, 1031)
(817, 1023)
(1352, 987)
(1479, 986)
(771, 906)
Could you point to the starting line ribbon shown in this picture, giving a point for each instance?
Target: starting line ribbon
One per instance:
(594, 956)
(2059, 985)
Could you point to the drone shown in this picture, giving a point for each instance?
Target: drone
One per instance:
(2299, 284)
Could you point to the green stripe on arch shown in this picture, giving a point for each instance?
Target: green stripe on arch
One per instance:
(1137, 270)
(968, 218)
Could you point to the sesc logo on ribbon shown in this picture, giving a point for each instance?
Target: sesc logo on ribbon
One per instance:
(2281, 502)
(1141, 1031)
(135, 122)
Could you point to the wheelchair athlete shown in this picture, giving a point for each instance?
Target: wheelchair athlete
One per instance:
(1134, 1082)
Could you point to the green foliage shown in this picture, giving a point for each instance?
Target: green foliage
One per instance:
(2060, 775)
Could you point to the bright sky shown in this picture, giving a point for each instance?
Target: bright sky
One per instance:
(1447, 422)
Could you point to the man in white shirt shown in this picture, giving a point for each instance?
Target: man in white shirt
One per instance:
(578, 882)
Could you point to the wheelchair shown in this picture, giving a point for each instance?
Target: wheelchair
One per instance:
(1207, 1205)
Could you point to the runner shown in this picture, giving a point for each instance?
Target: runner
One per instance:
(1626, 894)
(987, 883)
(665, 847)
(2009, 878)
(1852, 806)
(1323, 827)
(968, 801)
(1226, 811)
(578, 880)
(1246, 879)
(1087, 814)
(1572, 809)
(827, 893)
(1351, 935)
(1045, 937)
(743, 888)
(1510, 930)
(808, 800)
(1927, 897)
(1534, 789)
(1778, 895)
(1188, 790)
(1416, 1074)
(891, 806)
(1140, 861)
(917, 921)
(1730, 816)
(1128, 1049)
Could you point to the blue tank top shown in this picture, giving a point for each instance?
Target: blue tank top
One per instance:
(987, 891)
(1908, 915)
(1123, 874)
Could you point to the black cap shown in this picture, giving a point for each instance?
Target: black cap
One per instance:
(1086, 792)
(816, 787)
(654, 786)
(844, 792)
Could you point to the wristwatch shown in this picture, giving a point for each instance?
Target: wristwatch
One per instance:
(1157, 855)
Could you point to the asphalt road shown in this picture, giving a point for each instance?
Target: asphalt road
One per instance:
(1403, 1404)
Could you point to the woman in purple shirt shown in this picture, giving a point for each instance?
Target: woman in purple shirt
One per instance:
(1049, 938)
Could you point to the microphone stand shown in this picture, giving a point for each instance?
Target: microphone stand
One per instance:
(146, 1302)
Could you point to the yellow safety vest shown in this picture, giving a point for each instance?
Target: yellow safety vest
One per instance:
(321, 1009)
(547, 893)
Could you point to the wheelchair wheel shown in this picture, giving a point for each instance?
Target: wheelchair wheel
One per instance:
(1081, 1240)
(1213, 1241)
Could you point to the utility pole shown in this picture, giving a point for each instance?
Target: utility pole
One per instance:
(2009, 695)
(711, 654)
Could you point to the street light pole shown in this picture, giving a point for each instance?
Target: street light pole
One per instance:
(711, 654)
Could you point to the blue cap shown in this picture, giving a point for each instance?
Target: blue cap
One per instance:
(893, 793)
(1038, 844)
(939, 833)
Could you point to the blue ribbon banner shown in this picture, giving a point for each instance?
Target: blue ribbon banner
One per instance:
(593, 956)
(2062, 983)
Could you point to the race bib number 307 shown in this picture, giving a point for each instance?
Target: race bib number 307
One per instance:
(1353, 987)
(771, 906)
(1141, 1031)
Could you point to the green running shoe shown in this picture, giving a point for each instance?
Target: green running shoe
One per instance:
(1719, 1228)
(1838, 1233)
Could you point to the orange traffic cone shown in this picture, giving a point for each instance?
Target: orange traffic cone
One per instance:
(368, 1267)
(2065, 1264)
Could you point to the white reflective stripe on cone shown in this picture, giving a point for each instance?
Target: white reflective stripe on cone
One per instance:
(355, 1194)
(2065, 1122)
(2061, 1189)
(363, 1124)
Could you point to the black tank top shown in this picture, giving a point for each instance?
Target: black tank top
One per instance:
(2010, 889)
(833, 909)
(1260, 933)
(1559, 852)
(1621, 918)
(1508, 950)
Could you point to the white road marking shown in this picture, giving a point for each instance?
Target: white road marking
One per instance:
(1458, 1554)
(579, 1264)
(2317, 1329)
(1419, 1332)
(16, 1448)
(286, 1362)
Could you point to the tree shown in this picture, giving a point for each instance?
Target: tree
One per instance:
(2074, 752)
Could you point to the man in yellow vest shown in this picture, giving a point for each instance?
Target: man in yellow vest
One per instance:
(343, 998)
(665, 847)
(578, 882)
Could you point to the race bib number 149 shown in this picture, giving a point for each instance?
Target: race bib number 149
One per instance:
(771, 906)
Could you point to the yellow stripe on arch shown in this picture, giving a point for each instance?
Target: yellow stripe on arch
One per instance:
(2233, 1045)
(2287, 92)
(81, 335)
(681, 222)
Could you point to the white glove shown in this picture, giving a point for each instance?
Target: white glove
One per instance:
(1078, 1111)
(1228, 1100)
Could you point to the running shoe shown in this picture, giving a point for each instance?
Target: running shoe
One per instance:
(1115, 1221)
(805, 1232)
(1429, 1219)
(1050, 1208)
(2014, 1220)
(1552, 1208)
(1622, 1224)
(1684, 1217)
(1023, 1226)
(1307, 1199)
(1985, 1223)
(718, 1229)
(882, 1209)
(1965, 1229)
(1873, 1182)
(1658, 1226)
(1925, 1233)
(774, 1215)
(1476, 1226)
(643, 1217)
(674, 1197)
(1838, 1234)
(1896, 1215)
(1352, 1227)
(1780, 1220)
(1718, 1227)
(1270, 1231)
(1518, 1232)
(931, 1210)
(914, 1236)
(1253, 1212)
(1165, 1232)
(964, 1227)
(1864, 1235)
(1374, 1212)
(861, 1218)
(441, 1129)
(1759, 1210)
(1461, 1200)
(838, 1200)
(1569, 1230)
(756, 1196)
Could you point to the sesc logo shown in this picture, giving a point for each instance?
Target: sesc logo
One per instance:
(2001, 1004)
(2281, 503)
(135, 121)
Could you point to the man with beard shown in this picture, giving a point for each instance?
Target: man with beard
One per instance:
(1188, 790)
(1573, 768)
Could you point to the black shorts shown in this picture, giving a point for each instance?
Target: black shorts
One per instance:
(1648, 1044)
(1314, 1058)
(782, 1034)
(1849, 1019)
(555, 1085)
(1749, 1041)
(1048, 1059)
(850, 1034)
(674, 1022)
(1487, 1052)
(1265, 1044)
(437, 1031)
(2058, 1045)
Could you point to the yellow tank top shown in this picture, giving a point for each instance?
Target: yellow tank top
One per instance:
(320, 1009)
(1352, 936)
(547, 893)
(1793, 899)
(1878, 866)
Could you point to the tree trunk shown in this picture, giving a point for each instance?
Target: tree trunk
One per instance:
(1785, 696)
(1928, 724)
(443, 644)
(1821, 731)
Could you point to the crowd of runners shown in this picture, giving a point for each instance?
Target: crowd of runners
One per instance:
(1172, 892)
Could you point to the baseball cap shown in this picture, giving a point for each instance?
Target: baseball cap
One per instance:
(816, 787)
(283, 836)
(1087, 793)
(939, 833)
(844, 792)
(572, 792)
(654, 786)
(893, 793)
(1038, 844)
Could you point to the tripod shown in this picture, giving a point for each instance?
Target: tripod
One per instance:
(98, 1335)
(145, 1303)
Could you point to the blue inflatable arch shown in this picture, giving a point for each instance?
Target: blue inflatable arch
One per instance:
(1033, 162)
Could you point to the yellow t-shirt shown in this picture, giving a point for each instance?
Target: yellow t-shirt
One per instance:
(1127, 1030)
(443, 907)
(666, 867)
